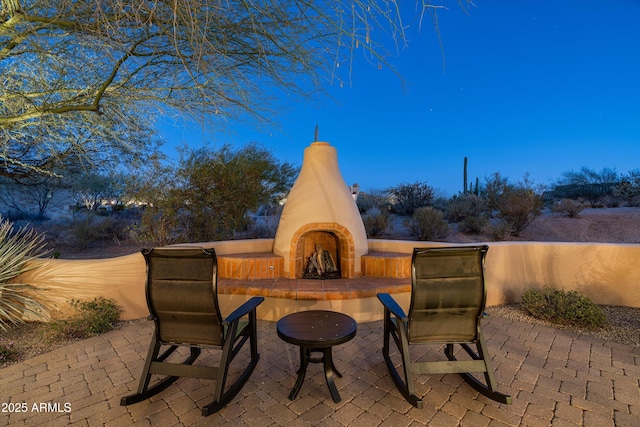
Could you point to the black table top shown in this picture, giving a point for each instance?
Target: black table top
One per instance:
(316, 328)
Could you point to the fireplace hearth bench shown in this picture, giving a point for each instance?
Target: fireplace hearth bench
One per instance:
(309, 289)
(261, 274)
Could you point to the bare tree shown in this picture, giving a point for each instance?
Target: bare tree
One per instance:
(93, 190)
(587, 184)
(587, 176)
(407, 198)
(81, 80)
(32, 201)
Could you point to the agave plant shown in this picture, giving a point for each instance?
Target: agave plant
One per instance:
(17, 249)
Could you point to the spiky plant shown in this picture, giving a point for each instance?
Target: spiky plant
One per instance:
(17, 249)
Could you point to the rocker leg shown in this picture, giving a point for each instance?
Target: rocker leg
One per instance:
(489, 390)
(144, 392)
(228, 354)
(405, 387)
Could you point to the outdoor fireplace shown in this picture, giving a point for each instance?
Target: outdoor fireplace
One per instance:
(320, 210)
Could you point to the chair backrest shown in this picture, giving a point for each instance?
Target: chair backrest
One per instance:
(182, 296)
(448, 294)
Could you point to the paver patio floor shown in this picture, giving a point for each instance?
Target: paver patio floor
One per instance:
(556, 378)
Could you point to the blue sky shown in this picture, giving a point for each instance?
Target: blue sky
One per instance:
(538, 87)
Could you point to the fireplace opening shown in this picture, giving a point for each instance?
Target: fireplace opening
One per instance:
(321, 255)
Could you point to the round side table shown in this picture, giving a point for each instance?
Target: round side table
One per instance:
(316, 331)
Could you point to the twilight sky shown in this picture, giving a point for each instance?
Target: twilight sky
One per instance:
(526, 86)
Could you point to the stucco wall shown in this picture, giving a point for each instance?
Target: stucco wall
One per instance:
(607, 273)
(121, 279)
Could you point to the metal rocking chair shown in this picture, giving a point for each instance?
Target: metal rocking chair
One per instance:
(183, 302)
(448, 296)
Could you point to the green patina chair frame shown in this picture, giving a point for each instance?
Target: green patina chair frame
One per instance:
(448, 297)
(181, 293)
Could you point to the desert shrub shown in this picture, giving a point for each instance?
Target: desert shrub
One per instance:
(440, 202)
(611, 201)
(570, 207)
(376, 199)
(407, 198)
(17, 249)
(88, 228)
(260, 228)
(517, 208)
(161, 225)
(473, 224)
(7, 352)
(116, 227)
(500, 232)
(131, 214)
(92, 228)
(469, 211)
(428, 223)
(563, 307)
(261, 231)
(376, 222)
(516, 205)
(14, 215)
(91, 318)
(627, 191)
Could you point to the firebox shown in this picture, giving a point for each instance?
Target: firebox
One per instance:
(333, 239)
(321, 255)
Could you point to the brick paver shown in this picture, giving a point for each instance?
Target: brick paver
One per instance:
(555, 377)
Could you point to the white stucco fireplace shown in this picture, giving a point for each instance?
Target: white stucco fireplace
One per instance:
(321, 210)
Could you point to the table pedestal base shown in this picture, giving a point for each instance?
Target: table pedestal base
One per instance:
(329, 370)
(317, 331)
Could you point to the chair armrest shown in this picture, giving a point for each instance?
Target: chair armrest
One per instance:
(244, 309)
(391, 305)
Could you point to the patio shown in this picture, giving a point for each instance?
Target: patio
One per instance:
(555, 377)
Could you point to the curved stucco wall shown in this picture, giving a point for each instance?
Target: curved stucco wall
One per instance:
(606, 273)
(121, 279)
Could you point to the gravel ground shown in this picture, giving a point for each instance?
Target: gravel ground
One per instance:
(34, 338)
(623, 323)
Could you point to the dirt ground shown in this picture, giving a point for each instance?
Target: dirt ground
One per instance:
(107, 249)
(607, 225)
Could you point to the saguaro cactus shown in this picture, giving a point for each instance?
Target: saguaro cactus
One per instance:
(466, 161)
